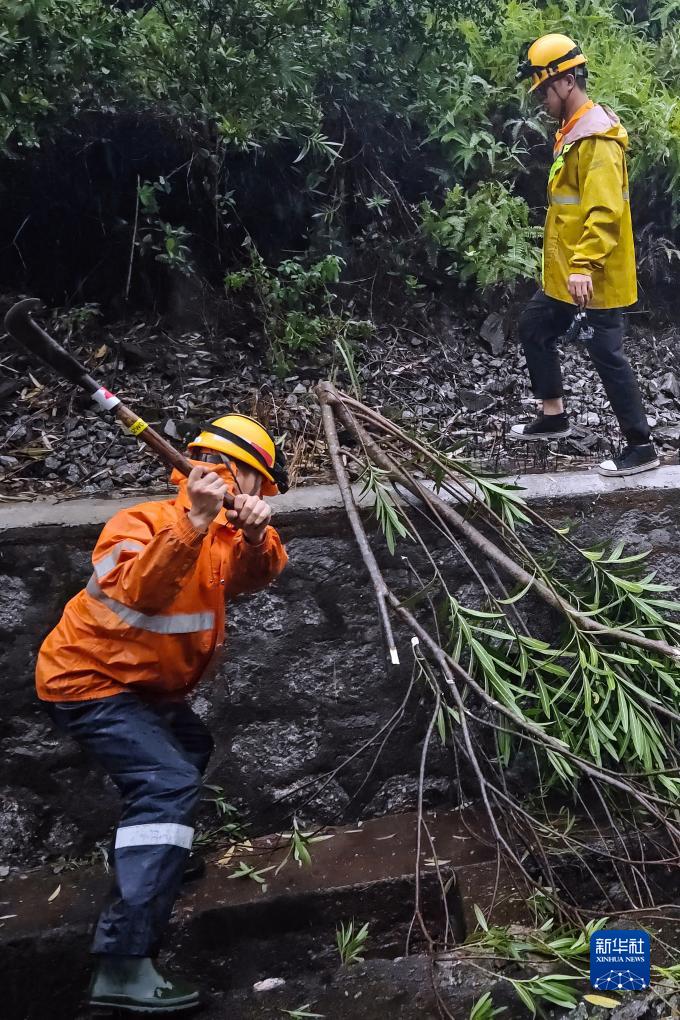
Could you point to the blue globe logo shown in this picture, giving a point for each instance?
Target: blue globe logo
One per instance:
(620, 980)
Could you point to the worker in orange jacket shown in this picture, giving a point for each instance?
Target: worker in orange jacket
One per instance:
(115, 672)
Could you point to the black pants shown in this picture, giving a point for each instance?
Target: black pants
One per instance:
(156, 755)
(544, 320)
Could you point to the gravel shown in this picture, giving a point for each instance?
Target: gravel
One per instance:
(447, 380)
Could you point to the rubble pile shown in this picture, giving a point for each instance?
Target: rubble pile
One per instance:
(461, 381)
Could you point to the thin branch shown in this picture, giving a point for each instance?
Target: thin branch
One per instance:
(352, 511)
(511, 825)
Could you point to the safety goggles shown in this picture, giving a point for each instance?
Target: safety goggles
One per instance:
(211, 457)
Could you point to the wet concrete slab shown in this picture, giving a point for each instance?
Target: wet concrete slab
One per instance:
(233, 931)
(405, 988)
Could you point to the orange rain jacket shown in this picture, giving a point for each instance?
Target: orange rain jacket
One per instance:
(152, 616)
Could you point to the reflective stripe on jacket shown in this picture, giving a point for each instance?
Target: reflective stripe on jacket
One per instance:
(588, 228)
(152, 615)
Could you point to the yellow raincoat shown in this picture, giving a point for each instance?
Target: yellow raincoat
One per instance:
(588, 228)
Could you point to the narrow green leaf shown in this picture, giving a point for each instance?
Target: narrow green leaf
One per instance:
(481, 920)
(441, 726)
(526, 996)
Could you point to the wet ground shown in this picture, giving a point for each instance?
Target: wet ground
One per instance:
(278, 926)
(445, 379)
(231, 933)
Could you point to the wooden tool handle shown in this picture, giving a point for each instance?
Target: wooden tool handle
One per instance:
(161, 447)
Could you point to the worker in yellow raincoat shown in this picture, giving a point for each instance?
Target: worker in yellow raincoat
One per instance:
(588, 255)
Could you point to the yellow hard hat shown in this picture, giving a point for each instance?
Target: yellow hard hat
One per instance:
(548, 57)
(244, 439)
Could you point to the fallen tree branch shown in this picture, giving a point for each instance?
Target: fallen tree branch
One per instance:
(353, 515)
(595, 646)
(491, 551)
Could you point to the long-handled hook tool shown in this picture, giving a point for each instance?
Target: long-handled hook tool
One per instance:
(29, 334)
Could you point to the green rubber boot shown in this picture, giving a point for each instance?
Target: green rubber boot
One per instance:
(132, 983)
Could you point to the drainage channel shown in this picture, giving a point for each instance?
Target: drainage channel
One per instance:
(230, 934)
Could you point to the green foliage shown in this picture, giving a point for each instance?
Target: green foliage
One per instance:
(557, 989)
(630, 71)
(563, 946)
(256, 69)
(389, 516)
(670, 976)
(292, 283)
(459, 109)
(292, 302)
(518, 944)
(351, 942)
(540, 948)
(609, 704)
(245, 870)
(299, 846)
(295, 305)
(486, 234)
(230, 825)
(76, 320)
(56, 57)
(166, 243)
(244, 66)
(483, 1008)
(594, 701)
(242, 76)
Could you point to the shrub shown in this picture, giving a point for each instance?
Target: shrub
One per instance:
(486, 235)
(381, 103)
(295, 305)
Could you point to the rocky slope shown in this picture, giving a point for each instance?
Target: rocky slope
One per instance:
(462, 380)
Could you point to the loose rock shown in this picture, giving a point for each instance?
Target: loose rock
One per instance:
(268, 985)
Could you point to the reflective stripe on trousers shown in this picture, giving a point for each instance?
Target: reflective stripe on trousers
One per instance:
(155, 754)
(158, 834)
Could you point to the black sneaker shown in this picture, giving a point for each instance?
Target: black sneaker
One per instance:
(632, 461)
(545, 426)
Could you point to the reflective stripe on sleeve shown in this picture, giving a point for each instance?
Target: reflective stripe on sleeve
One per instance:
(155, 834)
(626, 195)
(110, 561)
(175, 623)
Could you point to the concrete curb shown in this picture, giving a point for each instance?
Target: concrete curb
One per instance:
(326, 498)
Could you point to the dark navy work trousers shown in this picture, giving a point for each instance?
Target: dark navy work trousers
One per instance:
(541, 324)
(156, 755)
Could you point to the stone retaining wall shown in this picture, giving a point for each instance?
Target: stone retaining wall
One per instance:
(303, 684)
